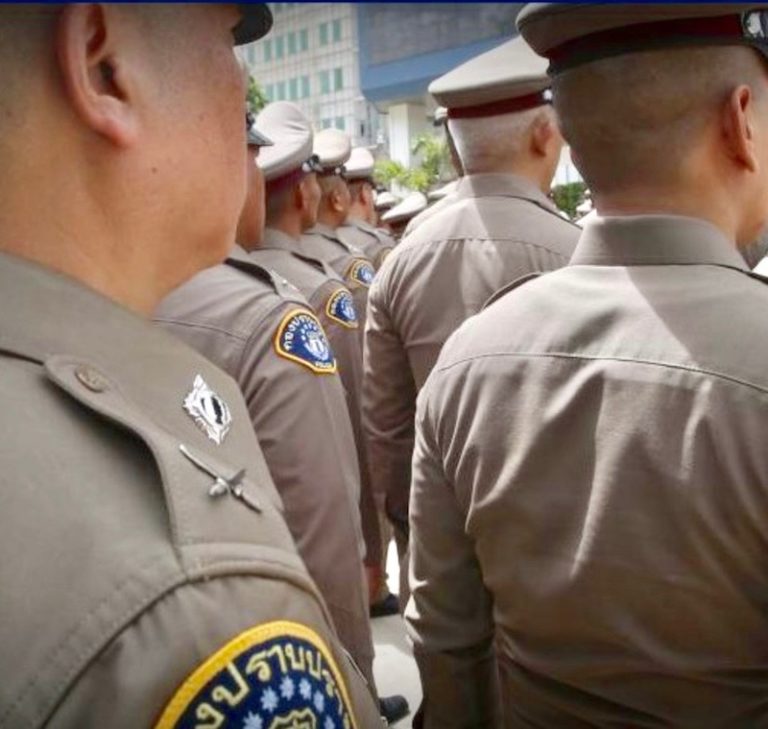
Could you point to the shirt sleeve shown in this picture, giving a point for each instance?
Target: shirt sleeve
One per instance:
(195, 628)
(449, 614)
(389, 398)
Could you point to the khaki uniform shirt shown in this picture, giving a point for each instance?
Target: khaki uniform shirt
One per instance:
(349, 262)
(428, 212)
(499, 228)
(121, 573)
(234, 314)
(377, 244)
(324, 290)
(589, 481)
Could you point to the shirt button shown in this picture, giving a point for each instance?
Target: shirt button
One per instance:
(91, 378)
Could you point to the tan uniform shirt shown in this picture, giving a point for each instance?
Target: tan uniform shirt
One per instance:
(121, 574)
(334, 306)
(234, 314)
(430, 211)
(355, 268)
(498, 229)
(589, 479)
(377, 244)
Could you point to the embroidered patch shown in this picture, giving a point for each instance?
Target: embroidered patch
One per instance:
(341, 308)
(360, 272)
(300, 337)
(208, 410)
(279, 675)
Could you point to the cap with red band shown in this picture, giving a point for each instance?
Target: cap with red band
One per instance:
(571, 34)
(507, 79)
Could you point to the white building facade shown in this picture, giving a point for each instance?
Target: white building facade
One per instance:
(310, 58)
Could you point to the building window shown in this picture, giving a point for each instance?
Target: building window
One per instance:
(293, 89)
(279, 46)
(291, 43)
(326, 123)
(338, 79)
(341, 123)
(304, 87)
(325, 82)
(269, 92)
(267, 50)
(281, 91)
(323, 34)
(304, 40)
(336, 31)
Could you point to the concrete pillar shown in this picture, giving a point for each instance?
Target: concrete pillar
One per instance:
(405, 123)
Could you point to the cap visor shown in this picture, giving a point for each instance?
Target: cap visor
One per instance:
(257, 139)
(256, 23)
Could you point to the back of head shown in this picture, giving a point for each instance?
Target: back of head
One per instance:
(497, 108)
(97, 128)
(665, 106)
(633, 120)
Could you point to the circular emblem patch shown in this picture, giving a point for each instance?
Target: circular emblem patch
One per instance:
(341, 308)
(361, 272)
(300, 338)
(276, 676)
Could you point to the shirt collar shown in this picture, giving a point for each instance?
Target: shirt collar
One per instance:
(274, 238)
(503, 185)
(653, 240)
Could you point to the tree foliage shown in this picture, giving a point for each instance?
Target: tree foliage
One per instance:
(434, 161)
(569, 197)
(255, 96)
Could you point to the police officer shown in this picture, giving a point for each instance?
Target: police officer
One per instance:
(323, 240)
(292, 198)
(498, 227)
(146, 567)
(589, 476)
(359, 227)
(259, 329)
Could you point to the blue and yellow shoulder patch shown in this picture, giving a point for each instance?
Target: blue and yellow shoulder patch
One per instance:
(360, 272)
(300, 338)
(279, 675)
(341, 308)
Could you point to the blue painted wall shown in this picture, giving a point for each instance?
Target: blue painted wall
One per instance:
(408, 76)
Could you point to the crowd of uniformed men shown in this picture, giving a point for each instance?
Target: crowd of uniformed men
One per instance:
(561, 429)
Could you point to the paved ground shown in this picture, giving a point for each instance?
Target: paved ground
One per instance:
(394, 667)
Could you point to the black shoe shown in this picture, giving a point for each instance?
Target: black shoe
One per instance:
(393, 708)
(390, 605)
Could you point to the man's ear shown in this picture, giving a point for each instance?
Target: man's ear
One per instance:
(95, 71)
(544, 134)
(738, 129)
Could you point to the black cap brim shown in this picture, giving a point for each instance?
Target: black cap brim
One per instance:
(256, 23)
(257, 139)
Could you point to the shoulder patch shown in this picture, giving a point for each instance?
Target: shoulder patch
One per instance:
(300, 337)
(341, 308)
(360, 272)
(504, 290)
(280, 675)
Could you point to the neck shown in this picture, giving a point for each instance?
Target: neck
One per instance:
(358, 212)
(672, 200)
(290, 225)
(330, 218)
(73, 238)
(532, 170)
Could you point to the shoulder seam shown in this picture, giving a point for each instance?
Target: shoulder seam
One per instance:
(596, 358)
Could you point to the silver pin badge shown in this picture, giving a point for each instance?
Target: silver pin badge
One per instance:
(222, 485)
(753, 25)
(208, 410)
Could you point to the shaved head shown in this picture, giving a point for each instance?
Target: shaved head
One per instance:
(482, 142)
(634, 119)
